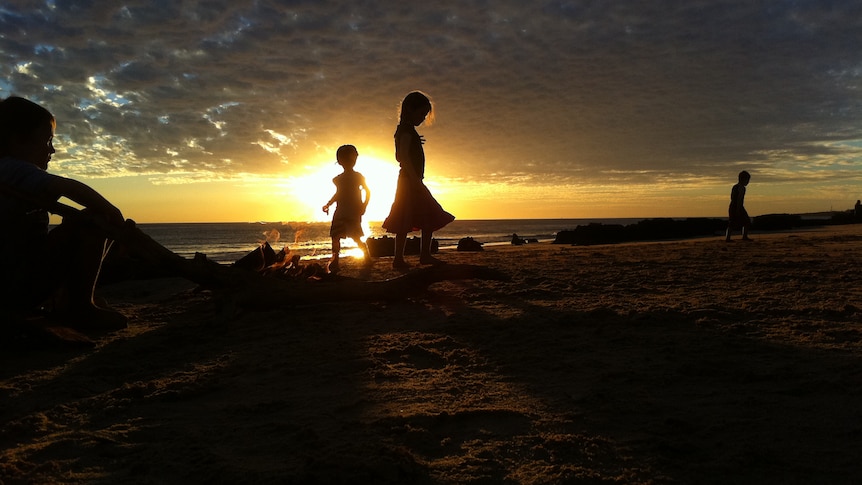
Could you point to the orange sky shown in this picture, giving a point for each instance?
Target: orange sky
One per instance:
(179, 112)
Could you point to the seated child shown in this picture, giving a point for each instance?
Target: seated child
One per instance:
(55, 269)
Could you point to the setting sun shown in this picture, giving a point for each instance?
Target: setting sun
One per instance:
(316, 188)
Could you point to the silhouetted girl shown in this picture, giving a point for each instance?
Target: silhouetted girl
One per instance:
(414, 208)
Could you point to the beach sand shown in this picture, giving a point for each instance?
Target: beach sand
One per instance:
(692, 361)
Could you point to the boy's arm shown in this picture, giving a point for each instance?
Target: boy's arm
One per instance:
(367, 195)
(364, 186)
(86, 196)
(738, 197)
(331, 201)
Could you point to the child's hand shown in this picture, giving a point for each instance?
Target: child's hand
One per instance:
(326, 209)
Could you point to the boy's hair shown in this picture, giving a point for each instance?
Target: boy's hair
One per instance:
(343, 151)
(414, 101)
(20, 118)
(744, 175)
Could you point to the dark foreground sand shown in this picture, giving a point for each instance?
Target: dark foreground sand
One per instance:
(677, 362)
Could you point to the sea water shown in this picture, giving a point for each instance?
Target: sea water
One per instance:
(227, 242)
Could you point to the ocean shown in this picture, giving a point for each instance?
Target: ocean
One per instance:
(227, 242)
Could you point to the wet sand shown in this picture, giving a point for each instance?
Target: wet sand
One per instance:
(692, 361)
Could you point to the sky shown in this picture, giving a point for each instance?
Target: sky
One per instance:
(231, 110)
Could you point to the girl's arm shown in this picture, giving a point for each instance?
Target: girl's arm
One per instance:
(402, 154)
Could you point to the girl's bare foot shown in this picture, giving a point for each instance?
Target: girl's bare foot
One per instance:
(431, 260)
(333, 266)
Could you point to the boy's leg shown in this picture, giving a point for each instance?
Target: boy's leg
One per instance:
(746, 225)
(364, 247)
(336, 251)
(84, 248)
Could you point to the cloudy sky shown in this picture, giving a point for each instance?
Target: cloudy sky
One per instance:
(231, 110)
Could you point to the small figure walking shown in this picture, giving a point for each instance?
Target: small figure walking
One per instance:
(737, 215)
(414, 208)
(350, 206)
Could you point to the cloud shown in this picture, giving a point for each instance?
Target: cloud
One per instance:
(526, 92)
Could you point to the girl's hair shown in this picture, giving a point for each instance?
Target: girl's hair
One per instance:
(19, 119)
(415, 101)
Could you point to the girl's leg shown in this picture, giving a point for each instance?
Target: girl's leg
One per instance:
(400, 243)
(425, 252)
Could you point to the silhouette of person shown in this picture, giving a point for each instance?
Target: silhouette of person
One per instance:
(737, 215)
(414, 208)
(858, 209)
(54, 269)
(350, 207)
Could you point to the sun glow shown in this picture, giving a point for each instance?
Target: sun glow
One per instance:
(314, 189)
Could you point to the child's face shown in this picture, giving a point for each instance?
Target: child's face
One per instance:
(419, 116)
(349, 160)
(36, 148)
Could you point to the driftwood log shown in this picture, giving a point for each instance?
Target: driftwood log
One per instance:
(255, 289)
(251, 289)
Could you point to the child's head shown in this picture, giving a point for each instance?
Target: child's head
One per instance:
(346, 156)
(744, 177)
(26, 131)
(416, 108)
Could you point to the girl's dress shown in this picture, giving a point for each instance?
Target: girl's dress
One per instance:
(414, 209)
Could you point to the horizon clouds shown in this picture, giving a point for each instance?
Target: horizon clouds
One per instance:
(599, 96)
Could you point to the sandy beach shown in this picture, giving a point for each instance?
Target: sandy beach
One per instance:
(690, 362)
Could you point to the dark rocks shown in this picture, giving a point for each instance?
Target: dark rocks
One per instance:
(645, 230)
(469, 244)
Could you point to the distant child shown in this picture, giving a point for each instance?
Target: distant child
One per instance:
(414, 208)
(38, 268)
(350, 207)
(737, 215)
